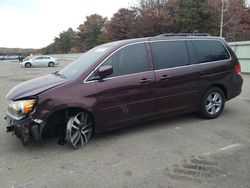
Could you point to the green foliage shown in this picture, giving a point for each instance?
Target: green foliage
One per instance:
(193, 15)
(62, 44)
(66, 40)
(91, 30)
(122, 24)
(153, 17)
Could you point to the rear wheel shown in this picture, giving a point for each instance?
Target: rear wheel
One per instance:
(79, 129)
(27, 65)
(213, 103)
(51, 64)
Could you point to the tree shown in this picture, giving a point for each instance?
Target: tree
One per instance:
(193, 15)
(63, 43)
(122, 24)
(90, 31)
(236, 22)
(155, 17)
(67, 40)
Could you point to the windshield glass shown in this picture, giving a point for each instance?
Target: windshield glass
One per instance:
(78, 66)
(27, 58)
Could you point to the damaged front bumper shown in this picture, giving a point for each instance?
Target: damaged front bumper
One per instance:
(27, 129)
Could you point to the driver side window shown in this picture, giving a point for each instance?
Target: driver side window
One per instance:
(128, 60)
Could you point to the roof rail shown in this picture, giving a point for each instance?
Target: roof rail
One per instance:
(182, 34)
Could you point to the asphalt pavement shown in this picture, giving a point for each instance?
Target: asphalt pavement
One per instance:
(183, 151)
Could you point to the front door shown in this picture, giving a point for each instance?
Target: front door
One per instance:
(128, 94)
(37, 61)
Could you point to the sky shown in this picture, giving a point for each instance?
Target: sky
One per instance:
(35, 23)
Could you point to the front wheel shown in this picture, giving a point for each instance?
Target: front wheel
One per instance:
(27, 65)
(213, 103)
(79, 129)
(51, 64)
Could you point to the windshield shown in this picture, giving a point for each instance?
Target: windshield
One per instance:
(78, 66)
(27, 58)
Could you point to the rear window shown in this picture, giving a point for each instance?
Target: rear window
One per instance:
(169, 54)
(210, 50)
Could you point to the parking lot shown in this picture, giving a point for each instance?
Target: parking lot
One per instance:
(183, 151)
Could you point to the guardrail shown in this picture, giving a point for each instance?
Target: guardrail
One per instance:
(242, 50)
(70, 57)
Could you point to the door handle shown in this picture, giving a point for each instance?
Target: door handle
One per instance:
(165, 77)
(145, 80)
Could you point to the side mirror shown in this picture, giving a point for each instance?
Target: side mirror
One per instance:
(105, 71)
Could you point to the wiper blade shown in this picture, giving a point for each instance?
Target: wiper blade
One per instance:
(58, 74)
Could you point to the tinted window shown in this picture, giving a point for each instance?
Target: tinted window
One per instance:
(210, 50)
(168, 54)
(128, 60)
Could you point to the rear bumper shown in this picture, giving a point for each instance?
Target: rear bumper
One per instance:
(26, 129)
(234, 88)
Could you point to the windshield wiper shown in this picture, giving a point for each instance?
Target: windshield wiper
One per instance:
(58, 74)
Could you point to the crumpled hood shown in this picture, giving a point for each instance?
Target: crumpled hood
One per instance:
(35, 86)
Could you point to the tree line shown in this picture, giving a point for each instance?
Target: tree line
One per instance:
(153, 17)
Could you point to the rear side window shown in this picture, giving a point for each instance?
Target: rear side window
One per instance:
(210, 50)
(128, 60)
(169, 54)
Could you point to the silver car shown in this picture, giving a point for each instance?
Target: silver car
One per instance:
(38, 61)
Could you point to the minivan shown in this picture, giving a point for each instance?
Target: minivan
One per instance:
(126, 82)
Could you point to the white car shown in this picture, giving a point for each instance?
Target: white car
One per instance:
(38, 61)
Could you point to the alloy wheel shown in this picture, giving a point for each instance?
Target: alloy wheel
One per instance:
(51, 64)
(27, 65)
(79, 129)
(213, 103)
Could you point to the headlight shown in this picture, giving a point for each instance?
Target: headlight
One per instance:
(18, 109)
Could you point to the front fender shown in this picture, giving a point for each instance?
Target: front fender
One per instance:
(51, 106)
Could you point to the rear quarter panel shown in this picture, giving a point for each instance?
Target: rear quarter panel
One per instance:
(219, 73)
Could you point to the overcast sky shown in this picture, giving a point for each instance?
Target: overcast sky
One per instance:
(35, 23)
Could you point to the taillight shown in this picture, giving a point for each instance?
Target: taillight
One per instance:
(237, 69)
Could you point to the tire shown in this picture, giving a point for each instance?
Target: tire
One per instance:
(51, 64)
(213, 103)
(27, 65)
(79, 129)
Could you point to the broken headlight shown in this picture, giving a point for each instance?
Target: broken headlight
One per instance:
(18, 109)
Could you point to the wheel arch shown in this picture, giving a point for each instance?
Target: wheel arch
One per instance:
(50, 63)
(64, 113)
(70, 110)
(220, 86)
(27, 63)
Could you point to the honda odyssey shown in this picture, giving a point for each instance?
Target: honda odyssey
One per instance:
(126, 82)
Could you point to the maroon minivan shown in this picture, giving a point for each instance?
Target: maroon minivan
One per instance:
(125, 82)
